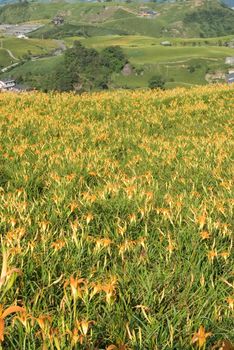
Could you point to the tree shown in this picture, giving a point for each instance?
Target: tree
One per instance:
(86, 69)
(156, 82)
(113, 58)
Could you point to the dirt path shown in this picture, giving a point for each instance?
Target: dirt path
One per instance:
(188, 59)
(11, 54)
(128, 10)
(5, 69)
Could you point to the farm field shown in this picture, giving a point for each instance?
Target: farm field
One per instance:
(116, 220)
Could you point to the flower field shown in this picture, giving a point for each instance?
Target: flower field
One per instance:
(116, 220)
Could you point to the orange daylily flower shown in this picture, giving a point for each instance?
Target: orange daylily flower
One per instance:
(204, 235)
(224, 255)
(4, 314)
(102, 243)
(76, 289)
(201, 220)
(89, 218)
(200, 337)
(211, 255)
(58, 245)
(83, 326)
(230, 301)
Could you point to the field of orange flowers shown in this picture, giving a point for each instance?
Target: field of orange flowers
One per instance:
(116, 220)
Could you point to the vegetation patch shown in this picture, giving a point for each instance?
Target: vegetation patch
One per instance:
(211, 20)
(116, 220)
(69, 30)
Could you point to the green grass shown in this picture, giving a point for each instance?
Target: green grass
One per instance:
(116, 214)
(20, 47)
(70, 30)
(39, 67)
(173, 74)
(5, 59)
(34, 73)
(137, 26)
(144, 41)
(174, 54)
(147, 50)
(171, 62)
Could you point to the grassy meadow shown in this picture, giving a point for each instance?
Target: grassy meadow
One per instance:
(147, 50)
(5, 58)
(21, 47)
(116, 220)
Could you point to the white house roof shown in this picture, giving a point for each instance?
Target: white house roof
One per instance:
(5, 81)
(230, 78)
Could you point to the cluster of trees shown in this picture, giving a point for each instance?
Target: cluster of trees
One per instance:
(86, 69)
(156, 82)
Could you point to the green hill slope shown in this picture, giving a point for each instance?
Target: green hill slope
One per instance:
(179, 19)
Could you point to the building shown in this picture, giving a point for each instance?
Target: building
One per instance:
(229, 61)
(22, 36)
(148, 13)
(165, 43)
(231, 44)
(230, 78)
(58, 20)
(12, 86)
(7, 84)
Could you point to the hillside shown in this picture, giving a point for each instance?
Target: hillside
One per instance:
(15, 50)
(116, 219)
(211, 20)
(185, 63)
(170, 19)
(200, 35)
